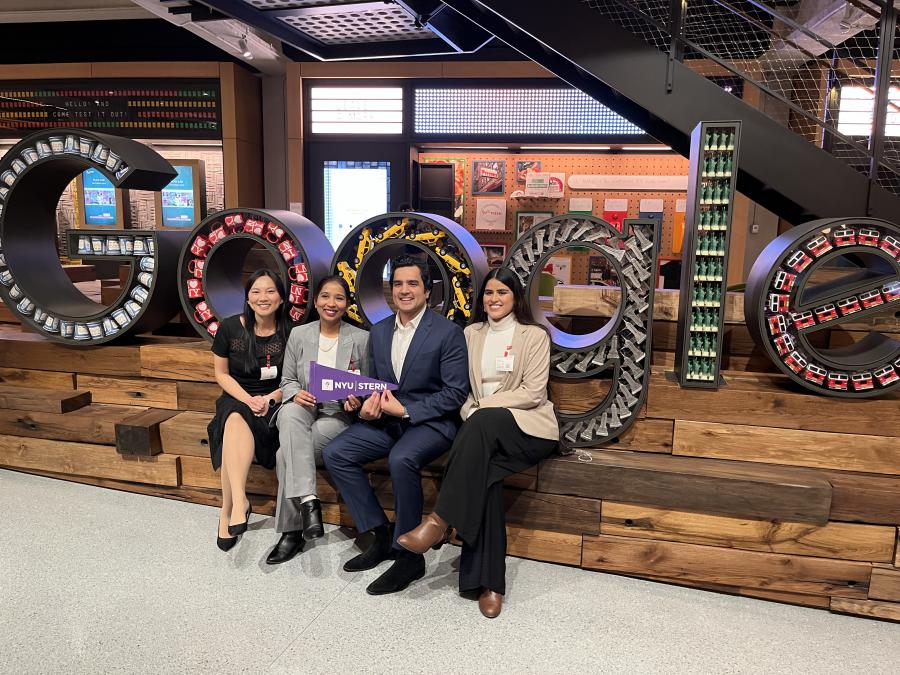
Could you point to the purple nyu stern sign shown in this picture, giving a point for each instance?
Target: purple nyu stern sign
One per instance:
(332, 384)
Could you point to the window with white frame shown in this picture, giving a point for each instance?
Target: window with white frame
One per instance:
(510, 111)
(856, 109)
(356, 110)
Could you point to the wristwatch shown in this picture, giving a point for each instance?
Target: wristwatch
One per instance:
(272, 403)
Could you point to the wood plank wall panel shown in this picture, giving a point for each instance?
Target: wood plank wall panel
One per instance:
(731, 488)
(199, 396)
(45, 379)
(885, 585)
(185, 434)
(192, 361)
(92, 424)
(774, 571)
(86, 459)
(780, 407)
(843, 541)
(873, 609)
(131, 391)
(853, 452)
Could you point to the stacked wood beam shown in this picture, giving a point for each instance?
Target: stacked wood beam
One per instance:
(759, 489)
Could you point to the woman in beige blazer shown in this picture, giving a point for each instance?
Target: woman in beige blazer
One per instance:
(509, 425)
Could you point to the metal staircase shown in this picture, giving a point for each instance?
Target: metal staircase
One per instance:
(644, 58)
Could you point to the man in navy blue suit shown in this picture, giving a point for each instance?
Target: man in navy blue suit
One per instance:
(425, 354)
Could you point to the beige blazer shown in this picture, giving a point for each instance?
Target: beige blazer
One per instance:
(523, 390)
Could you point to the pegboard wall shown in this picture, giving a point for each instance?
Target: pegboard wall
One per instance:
(627, 164)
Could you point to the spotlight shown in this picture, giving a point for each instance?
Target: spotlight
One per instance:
(244, 48)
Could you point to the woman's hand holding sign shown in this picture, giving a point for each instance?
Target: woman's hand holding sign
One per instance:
(303, 397)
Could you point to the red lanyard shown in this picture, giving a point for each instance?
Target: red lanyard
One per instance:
(268, 360)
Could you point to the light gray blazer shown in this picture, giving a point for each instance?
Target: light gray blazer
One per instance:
(303, 347)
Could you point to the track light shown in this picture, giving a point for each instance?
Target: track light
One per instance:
(244, 48)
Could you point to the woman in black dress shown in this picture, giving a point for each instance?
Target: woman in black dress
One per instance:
(249, 350)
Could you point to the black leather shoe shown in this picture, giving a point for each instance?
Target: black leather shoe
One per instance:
(290, 544)
(226, 543)
(311, 512)
(379, 551)
(407, 568)
(240, 528)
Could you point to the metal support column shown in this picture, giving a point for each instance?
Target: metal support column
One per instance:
(677, 10)
(887, 26)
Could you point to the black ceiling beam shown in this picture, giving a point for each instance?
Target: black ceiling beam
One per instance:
(457, 31)
(779, 169)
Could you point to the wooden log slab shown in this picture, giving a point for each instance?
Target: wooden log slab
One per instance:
(557, 547)
(40, 379)
(745, 569)
(199, 396)
(86, 459)
(851, 452)
(885, 585)
(554, 513)
(91, 424)
(843, 541)
(802, 599)
(13, 397)
(139, 435)
(872, 609)
(191, 360)
(768, 401)
(29, 350)
(739, 489)
(645, 435)
(864, 498)
(185, 434)
(131, 391)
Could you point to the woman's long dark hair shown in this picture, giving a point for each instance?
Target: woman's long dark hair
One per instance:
(250, 358)
(521, 306)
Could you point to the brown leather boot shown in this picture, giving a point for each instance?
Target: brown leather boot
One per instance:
(490, 603)
(432, 530)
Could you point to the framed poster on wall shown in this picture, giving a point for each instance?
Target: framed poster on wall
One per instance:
(490, 214)
(495, 253)
(488, 177)
(527, 219)
(182, 203)
(523, 166)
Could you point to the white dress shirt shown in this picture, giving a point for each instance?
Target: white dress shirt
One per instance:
(401, 340)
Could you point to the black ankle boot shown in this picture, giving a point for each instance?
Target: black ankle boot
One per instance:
(311, 512)
(290, 544)
(407, 568)
(378, 551)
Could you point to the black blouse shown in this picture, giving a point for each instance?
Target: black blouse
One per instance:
(231, 343)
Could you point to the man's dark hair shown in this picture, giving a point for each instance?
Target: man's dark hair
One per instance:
(409, 261)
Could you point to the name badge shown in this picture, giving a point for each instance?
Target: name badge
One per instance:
(268, 372)
(504, 364)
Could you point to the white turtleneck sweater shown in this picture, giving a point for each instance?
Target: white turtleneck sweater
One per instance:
(497, 342)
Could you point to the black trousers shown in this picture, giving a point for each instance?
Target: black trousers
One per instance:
(488, 447)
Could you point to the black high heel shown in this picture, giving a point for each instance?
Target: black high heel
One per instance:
(226, 543)
(240, 528)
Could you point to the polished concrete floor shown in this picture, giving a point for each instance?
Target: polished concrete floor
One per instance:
(98, 581)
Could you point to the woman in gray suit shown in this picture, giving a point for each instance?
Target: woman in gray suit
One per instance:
(305, 426)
